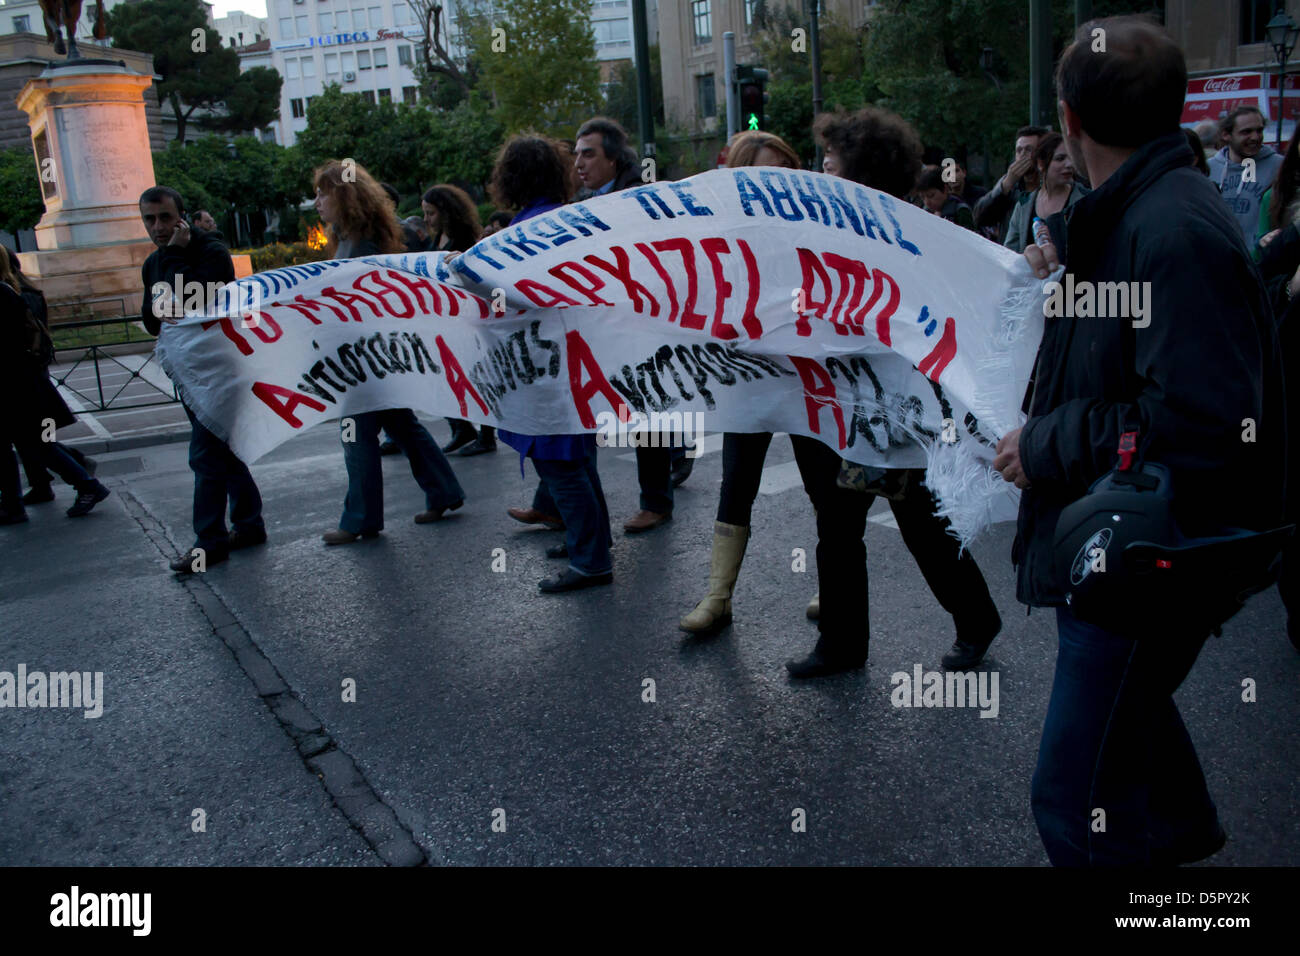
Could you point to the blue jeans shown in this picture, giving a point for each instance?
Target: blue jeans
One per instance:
(218, 476)
(1113, 741)
(575, 488)
(363, 508)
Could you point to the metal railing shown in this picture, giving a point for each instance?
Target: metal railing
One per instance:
(98, 355)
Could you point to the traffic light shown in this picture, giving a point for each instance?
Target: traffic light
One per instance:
(750, 83)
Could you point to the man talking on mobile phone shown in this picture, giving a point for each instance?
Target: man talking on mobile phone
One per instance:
(190, 259)
(1118, 781)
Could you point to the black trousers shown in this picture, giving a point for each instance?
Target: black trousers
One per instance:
(954, 579)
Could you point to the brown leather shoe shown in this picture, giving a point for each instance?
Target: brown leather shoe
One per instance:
(533, 516)
(644, 521)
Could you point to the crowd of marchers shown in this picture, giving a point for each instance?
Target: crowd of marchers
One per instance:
(1209, 217)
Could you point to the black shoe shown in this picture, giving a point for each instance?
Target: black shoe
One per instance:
(90, 496)
(246, 539)
(822, 662)
(462, 433)
(1190, 851)
(571, 580)
(39, 496)
(12, 515)
(478, 447)
(185, 563)
(682, 469)
(558, 551)
(389, 447)
(968, 651)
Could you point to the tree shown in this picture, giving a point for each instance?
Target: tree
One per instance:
(436, 62)
(621, 97)
(410, 146)
(21, 205)
(197, 72)
(539, 64)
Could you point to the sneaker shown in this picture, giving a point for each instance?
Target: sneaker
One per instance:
(435, 514)
(246, 539)
(185, 563)
(39, 496)
(682, 469)
(87, 498)
(478, 446)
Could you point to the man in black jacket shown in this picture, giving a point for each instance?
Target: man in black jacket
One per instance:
(993, 209)
(1118, 781)
(190, 257)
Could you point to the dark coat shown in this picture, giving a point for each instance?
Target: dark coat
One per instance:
(203, 259)
(1207, 361)
(27, 396)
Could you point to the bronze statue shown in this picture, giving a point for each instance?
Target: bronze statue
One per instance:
(66, 14)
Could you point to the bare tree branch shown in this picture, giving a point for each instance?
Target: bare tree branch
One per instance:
(429, 13)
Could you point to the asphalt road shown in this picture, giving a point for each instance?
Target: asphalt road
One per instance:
(493, 724)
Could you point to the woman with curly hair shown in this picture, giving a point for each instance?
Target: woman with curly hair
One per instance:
(531, 176)
(452, 220)
(361, 222)
(879, 149)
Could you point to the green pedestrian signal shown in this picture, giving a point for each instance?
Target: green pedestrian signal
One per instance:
(750, 82)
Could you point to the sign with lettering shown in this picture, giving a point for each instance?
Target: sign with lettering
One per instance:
(762, 299)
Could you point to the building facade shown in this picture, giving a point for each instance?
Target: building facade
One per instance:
(240, 29)
(690, 50)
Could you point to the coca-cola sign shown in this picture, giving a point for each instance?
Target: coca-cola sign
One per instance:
(1223, 84)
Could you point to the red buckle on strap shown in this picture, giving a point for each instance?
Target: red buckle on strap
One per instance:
(1127, 449)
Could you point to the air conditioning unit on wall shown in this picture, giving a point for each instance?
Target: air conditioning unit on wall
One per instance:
(349, 77)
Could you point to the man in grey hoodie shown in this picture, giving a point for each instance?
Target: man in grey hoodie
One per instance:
(1245, 168)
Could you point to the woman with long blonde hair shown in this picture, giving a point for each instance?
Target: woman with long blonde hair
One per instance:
(361, 221)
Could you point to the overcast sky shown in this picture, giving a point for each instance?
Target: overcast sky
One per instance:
(255, 7)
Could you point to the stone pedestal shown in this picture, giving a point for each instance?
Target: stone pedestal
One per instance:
(91, 137)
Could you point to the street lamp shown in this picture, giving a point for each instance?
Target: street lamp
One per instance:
(1281, 32)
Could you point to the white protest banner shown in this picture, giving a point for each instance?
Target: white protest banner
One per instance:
(762, 299)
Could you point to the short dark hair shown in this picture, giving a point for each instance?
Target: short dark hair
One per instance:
(392, 193)
(875, 147)
(931, 178)
(501, 218)
(528, 168)
(1230, 121)
(159, 193)
(613, 140)
(1034, 131)
(1132, 92)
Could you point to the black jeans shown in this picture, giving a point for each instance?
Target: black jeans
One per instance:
(953, 577)
(743, 454)
(219, 475)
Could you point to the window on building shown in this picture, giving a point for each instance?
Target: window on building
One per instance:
(342, 21)
(349, 62)
(309, 99)
(358, 19)
(611, 31)
(410, 95)
(291, 71)
(363, 59)
(286, 28)
(750, 9)
(368, 95)
(308, 67)
(703, 20)
(296, 108)
(385, 96)
(404, 55)
(331, 64)
(402, 15)
(706, 97)
(22, 24)
(326, 20)
(381, 58)
(1255, 15)
(300, 24)
(376, 17)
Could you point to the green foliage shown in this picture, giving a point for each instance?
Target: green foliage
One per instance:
(279, 254)
(547, 77)
(411, 147)
(208, 174)
(20, 189)
(620, 94)
(205, 79)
